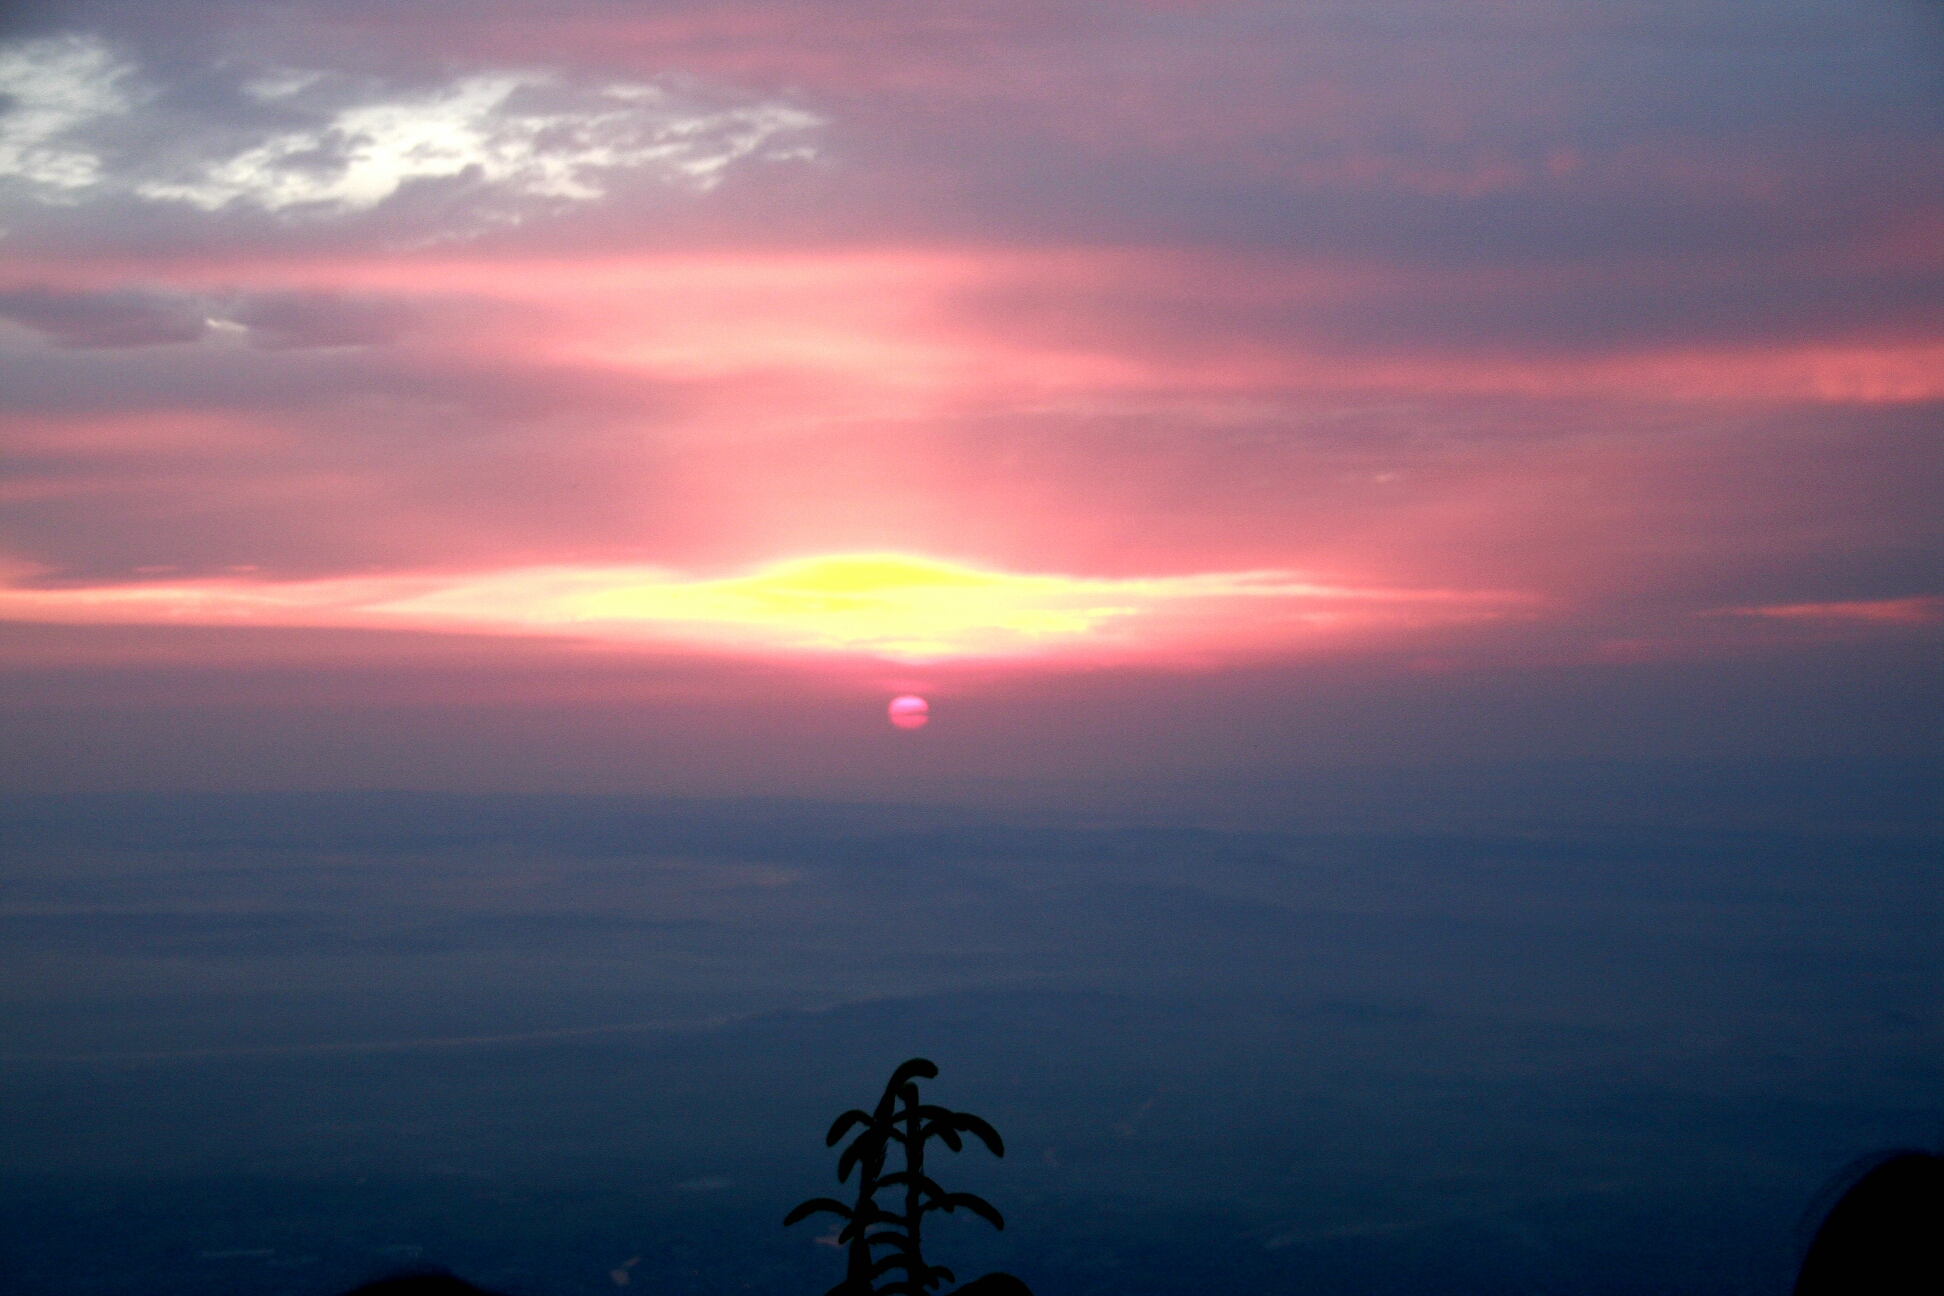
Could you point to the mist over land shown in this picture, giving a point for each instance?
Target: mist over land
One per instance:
(277, 1043)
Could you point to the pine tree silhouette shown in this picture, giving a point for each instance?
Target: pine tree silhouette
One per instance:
(900, 1118)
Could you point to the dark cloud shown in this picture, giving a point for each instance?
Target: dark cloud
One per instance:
(122, 318)
(276, 321)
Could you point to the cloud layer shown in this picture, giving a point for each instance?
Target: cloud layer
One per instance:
(1622, 314)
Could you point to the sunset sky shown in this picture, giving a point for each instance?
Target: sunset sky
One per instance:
(595, 395)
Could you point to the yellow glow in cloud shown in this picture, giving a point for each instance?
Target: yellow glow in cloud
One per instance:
(893, 606)
(884, 604)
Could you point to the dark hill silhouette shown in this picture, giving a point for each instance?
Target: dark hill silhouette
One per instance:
(1885, 1234)
(420, 1282)
(1881, 1234)
(994, 1284)
(900, 1120)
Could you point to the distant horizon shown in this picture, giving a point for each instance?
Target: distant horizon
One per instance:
(536, 1037)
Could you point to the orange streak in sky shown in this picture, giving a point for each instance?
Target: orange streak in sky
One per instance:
(1920, 610)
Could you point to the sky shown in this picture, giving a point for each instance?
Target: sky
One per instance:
(597, 396)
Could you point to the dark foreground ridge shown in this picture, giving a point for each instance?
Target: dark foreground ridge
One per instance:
(440, 1283)
(902, 1120)
(1884, 1234)
(431, 1282)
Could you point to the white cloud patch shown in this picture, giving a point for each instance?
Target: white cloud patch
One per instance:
(520, 132)
(54, 90)
(343, 145)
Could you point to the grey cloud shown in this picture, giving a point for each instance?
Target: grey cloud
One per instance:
(278, 321)
(1524, 132)
(129, 318)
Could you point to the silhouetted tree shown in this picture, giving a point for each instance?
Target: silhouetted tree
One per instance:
(866, 1155)
(900, 1118)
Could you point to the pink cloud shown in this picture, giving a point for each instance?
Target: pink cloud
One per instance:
(1112, 294)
